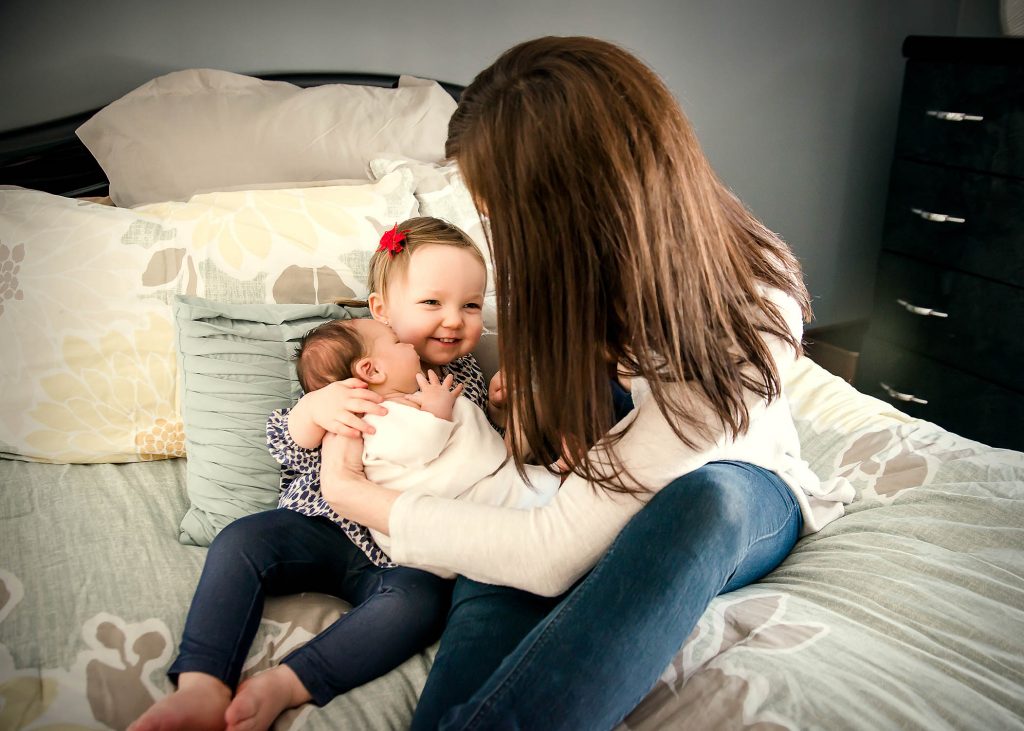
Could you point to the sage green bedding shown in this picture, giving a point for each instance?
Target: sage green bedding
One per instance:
(908, 612)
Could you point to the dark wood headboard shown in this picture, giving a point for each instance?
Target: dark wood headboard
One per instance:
(50, 157)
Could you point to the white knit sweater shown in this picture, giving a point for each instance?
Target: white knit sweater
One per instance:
(546, 549)
(459, 459)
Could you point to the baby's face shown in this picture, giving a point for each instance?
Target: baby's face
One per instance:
(399, 362)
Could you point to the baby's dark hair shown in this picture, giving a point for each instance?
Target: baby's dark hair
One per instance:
(327, 353)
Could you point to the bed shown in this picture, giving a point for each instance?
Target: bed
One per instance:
(908, 612)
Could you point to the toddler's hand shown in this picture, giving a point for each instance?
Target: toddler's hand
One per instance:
(496, 391)
(336, 407)
(436, 396)
(497, 400)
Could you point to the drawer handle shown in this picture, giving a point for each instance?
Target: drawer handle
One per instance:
(954, 116)
(938, 217)
(925, 311)
(909, 397)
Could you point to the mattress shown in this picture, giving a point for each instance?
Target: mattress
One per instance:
(907, 612)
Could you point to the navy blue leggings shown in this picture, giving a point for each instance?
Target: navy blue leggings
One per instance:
(396, 612)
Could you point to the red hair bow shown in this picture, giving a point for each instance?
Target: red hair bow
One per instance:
(391, 241)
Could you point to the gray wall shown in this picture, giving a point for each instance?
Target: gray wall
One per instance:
(794, 100)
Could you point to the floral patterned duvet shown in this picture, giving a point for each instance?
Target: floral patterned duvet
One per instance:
(908, 612)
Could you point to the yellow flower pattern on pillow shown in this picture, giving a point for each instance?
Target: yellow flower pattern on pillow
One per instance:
(90, 370)
(124, 383)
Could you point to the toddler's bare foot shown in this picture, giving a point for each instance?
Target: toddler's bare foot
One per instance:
(262, 698)
(198, 704)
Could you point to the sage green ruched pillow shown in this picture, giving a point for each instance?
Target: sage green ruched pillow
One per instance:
(236, 367)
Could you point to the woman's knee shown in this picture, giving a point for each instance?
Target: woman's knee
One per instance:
(720, 494)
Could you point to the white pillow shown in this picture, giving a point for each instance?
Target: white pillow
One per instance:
(89, 372)
(203, 129)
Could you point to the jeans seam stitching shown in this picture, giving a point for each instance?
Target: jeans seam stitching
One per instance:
(784, 491)
(774, 533)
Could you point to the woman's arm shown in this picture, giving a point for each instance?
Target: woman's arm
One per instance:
(344, 486)
(545, 550)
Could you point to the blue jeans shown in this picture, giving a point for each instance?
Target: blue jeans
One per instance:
(396, 612)
(512, 660)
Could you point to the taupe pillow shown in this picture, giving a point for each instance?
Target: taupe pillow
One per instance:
(203, 129)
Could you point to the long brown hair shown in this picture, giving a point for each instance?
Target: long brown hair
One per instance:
(614, 245)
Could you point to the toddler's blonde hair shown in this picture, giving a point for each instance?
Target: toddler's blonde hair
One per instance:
(419, 232)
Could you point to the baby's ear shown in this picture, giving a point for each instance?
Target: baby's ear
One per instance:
(376, 304)
(366, 370)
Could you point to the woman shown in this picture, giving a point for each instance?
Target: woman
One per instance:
(619, 257)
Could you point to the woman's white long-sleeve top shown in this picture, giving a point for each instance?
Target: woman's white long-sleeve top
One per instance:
(546, 549)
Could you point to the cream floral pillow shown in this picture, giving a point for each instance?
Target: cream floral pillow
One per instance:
(89, 370)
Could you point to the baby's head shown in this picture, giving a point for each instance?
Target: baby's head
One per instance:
(430, 291)
(362, 348)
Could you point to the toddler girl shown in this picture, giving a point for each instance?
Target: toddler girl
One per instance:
(427, 283)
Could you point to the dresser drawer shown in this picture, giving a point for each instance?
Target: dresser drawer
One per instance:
(964, 115)
(970, 323)
(957, 401)
(973, 222)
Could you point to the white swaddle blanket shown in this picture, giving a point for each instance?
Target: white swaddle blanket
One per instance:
(414, 451)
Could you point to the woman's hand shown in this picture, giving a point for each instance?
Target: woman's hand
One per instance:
(344, 486)
(343, 457)
(334, 409)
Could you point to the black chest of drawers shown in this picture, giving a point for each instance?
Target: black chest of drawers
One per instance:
(946, 338)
